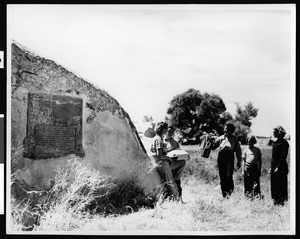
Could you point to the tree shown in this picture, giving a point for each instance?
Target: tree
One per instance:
(189, 110)
(225, 117)
(243, 119)
(247, 114)
(210, 111)
(147, 118)
(183, 109)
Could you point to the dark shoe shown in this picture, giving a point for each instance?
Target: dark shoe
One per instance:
(178, 183)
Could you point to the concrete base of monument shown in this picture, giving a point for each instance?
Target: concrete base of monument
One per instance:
(40, 174)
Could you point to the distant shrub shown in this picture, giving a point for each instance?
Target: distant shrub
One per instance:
(204, 169)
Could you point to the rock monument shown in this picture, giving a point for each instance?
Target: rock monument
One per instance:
(56, 115)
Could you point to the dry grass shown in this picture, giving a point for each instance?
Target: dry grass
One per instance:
(131, 210)
(78, 193)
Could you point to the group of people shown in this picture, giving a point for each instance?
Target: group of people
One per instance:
(250, 160)
(169, 168)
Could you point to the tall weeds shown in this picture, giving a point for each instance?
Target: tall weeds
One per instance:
(78, 192)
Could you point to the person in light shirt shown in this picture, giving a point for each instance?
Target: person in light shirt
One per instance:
(227, 144)
(251, 169)
(172, 144)
(169, 168)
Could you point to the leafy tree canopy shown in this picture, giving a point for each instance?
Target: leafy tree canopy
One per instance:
(243, 119)
(247, 114)
(147, 118)
(190, 110)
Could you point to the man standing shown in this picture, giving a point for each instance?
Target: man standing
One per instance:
(228, 145)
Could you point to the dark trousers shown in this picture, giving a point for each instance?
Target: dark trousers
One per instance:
(225, 164)
(251, 180)
(279, 188)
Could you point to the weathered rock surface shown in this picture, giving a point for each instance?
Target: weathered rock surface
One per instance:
(106, 137)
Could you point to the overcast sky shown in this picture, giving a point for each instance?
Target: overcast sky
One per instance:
(145, 55)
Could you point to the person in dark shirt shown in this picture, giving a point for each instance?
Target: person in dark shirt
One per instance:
(279, 167)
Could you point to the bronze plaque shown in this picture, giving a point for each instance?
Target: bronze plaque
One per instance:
(54, 126)
(55, 139)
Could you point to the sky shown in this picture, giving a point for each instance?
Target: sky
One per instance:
(143, 56)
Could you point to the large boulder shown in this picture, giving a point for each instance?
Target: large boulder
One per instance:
(56, 115)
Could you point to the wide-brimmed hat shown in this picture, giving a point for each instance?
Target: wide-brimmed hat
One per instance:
(150, 133)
